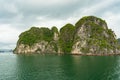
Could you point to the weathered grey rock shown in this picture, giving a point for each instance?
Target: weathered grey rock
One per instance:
(93, 36)
(90, 35)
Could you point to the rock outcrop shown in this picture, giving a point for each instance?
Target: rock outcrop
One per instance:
(38, 40)
(93, 36)
(90, 35)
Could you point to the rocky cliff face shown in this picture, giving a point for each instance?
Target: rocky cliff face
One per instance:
(93, 36)
(38, 40)
(90, 35)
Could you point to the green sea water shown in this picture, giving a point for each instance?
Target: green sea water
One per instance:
(55, 67)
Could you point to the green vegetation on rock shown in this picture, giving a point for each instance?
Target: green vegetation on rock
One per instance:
(89, 35)
(66, 37)
(35, 35)
(54, 29)
(118, 40)
(89, 19)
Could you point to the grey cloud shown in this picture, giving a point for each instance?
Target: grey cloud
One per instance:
(27, 13)
(30, 12)
(22, 14)
(7, 46)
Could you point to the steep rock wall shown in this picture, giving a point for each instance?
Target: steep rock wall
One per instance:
(90, 35)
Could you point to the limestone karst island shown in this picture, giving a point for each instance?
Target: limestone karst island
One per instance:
(90, 36)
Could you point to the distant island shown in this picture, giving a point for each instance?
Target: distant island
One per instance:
(89, 36)
(5, 50)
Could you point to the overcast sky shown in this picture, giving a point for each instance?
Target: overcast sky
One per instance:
(17, 16)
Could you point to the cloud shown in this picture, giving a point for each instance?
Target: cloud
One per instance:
(97, 8)
(7, 46)
(8, 34)
(113, 21)
(43, 21)
(52, 9)
(17, 16)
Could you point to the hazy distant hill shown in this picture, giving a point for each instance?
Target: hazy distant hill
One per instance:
(5, 50)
